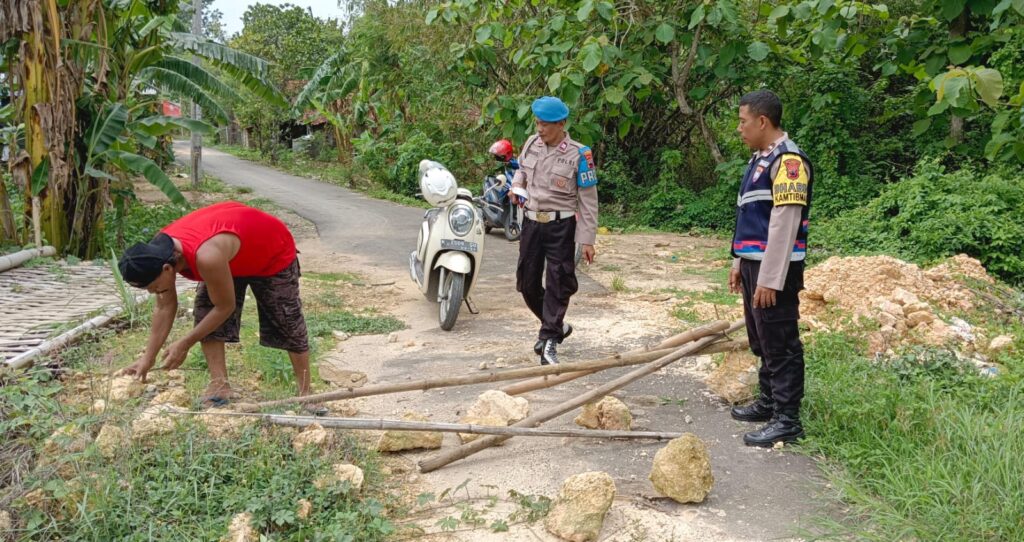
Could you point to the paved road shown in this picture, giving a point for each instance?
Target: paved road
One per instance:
(758, 495)
(347, 221)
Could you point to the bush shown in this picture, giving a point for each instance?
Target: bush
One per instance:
(935, 214)
(392, 160)
(671, 206)
(139, 224)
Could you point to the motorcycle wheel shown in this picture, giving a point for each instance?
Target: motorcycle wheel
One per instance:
(454, 287)
(513, 229)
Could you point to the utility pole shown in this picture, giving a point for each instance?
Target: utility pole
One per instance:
(197, 139)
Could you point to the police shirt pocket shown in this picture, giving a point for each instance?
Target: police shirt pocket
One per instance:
(563, 178)
(528, 163)
(780, 313)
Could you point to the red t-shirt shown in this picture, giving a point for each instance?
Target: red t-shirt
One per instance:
(267, 247)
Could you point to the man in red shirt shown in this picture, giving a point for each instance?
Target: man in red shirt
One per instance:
(227, 247)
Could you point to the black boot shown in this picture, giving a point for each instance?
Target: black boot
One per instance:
(538, 347)
(785, 427)
(760, 410)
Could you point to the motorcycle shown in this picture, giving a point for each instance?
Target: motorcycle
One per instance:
(495, 204)
(446, 263)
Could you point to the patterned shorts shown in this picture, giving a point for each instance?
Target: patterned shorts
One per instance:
(282, 325)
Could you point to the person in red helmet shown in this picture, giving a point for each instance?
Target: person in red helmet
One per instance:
(502, 150)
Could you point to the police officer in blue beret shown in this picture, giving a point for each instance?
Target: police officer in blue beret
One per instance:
(557, 185)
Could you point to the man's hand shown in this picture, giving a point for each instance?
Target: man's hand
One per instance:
(588, 253)
(735, 281)
(139, 369)
(764, 298)
(175, 354)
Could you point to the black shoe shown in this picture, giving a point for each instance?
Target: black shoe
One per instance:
(784, 428)
(538, 347)
(760, 410)
(550, 354)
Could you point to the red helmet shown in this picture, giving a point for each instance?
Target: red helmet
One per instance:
(502, 150)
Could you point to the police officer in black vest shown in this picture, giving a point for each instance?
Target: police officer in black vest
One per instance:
(769, 247)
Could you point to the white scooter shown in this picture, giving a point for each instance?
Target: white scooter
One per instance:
(450, 248)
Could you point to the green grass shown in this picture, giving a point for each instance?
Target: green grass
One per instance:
(717, 275)
(619, 284)
(920, 447)
(332, 277)
(716, 296)
(188, 485)
(686, 314)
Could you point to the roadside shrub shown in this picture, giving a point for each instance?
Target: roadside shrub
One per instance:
(138, 224)
(935, 214)
(392, 160)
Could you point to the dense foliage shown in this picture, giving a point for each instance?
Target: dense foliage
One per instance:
(87, 82)
(871, 91)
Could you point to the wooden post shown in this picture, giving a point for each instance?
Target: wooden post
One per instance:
(621, 360)
(466, 450)
(196, 154)
(37, 223)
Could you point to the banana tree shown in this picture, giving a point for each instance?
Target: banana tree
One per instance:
(91, 79)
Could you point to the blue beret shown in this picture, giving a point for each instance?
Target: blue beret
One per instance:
(550, 109)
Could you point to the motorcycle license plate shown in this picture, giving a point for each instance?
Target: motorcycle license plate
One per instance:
(458, 244)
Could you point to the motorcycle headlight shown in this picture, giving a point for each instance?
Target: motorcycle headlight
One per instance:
(461, 220)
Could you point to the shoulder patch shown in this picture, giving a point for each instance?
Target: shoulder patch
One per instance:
(588, 156)
(791, 184)
(586, 175)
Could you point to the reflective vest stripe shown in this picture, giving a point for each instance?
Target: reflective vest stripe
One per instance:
(755, 195)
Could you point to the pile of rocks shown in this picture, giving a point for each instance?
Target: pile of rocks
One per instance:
(901, 297)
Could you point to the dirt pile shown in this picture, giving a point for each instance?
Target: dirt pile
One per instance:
(902, 298)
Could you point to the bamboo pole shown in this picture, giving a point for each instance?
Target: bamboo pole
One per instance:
(688, 336)
(466, 450)
(715, 329)
(10, 261)
(542, 382)
(441, 427)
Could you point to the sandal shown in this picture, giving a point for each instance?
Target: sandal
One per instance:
(315, 409)
(214, 401)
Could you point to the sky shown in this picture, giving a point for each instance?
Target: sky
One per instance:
(233, 10)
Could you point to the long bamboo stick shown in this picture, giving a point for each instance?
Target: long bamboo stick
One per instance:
(541, 382)
(10, 261)
(466, 450)
(441, 427)
(492, 376)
